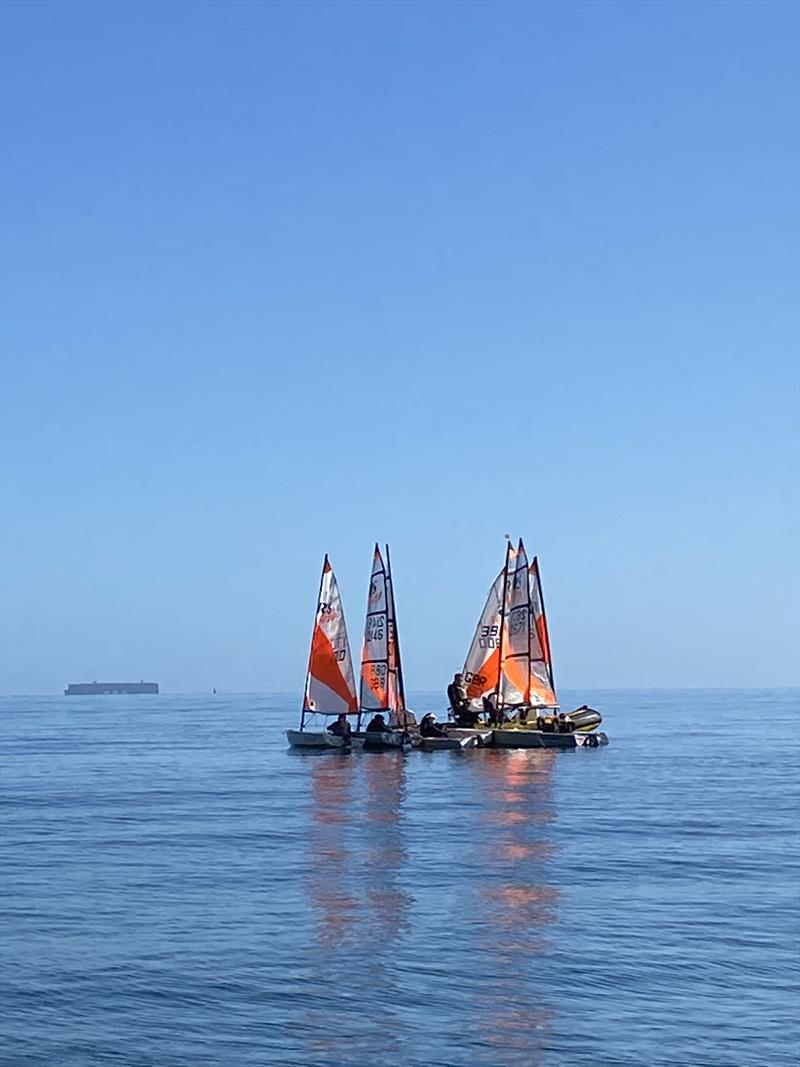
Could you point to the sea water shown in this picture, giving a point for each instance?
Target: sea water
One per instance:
(178, 888)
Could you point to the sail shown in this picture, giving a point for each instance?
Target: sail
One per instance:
(330, 685)
(396, 690)
(375, 650)
(515, 682)
(543, 691)
(482, 667)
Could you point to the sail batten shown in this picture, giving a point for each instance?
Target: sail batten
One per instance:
(330, 685)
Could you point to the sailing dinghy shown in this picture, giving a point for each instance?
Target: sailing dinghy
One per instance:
(520, 683)
(510, 660)
(382, 687)
(330, 686)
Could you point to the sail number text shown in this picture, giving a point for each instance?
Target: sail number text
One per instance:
(489, 637)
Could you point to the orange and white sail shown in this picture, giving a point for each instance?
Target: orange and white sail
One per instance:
(330, 685)
(482, 666)
(375, 688)
(543, 690)
(515, 669)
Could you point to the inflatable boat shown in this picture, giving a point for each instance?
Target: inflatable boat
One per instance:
(385, 741)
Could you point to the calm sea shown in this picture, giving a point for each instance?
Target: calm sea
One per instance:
(180, 889)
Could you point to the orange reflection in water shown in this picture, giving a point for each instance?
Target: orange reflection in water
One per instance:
(385, 853)
(354, 831)
(522, 906)
(330, 862)
(514, 1030)
(514, 851)
(517, 904)
(331, 788)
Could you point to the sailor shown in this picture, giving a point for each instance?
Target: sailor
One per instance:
(377, 725)
(522, 716)
(459, 702)
(428, 726)
(493, 714)
(340, 728)
(565, 726)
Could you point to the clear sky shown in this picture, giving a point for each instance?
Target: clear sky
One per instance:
(282, 279)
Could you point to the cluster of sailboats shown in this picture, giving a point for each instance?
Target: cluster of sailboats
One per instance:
(507, 684)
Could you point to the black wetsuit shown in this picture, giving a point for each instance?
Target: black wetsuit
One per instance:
(459, 702)
(340, 729)
(428, 728)
(494, 715)
(457, 695)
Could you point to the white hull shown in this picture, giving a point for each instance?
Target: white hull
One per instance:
(434, 744)
(532, 739)
(313, 739)
(481, 735)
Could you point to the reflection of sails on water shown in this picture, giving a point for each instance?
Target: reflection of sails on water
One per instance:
(518, 806)
(516, 903)
(357, 855)
(330, 864)
(343, 959)
(385, 853)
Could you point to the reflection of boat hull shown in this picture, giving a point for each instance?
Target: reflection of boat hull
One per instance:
(434, 744)
(505, 738)
(314, 739)
(591, 740)
(385, 741)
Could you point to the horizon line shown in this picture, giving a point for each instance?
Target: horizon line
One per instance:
(566, 689)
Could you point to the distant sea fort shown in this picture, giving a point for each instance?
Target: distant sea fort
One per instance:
(84, 689)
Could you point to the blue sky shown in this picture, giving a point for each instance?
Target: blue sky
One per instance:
(282, 279)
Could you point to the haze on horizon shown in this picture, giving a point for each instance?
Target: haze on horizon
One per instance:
(284, 279)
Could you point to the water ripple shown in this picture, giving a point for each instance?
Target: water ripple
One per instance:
(178, 888)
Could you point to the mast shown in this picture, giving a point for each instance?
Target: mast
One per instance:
(311, 649)
(548, 656)
(503, 625)
(401, 690)
(528, 642)
(516, 681)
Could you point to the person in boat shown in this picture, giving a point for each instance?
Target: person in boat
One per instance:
(494, 716)
(429, 727)
(522, 716)
(565, 726)
(459, 702)
(377, 725)
(341, 727)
